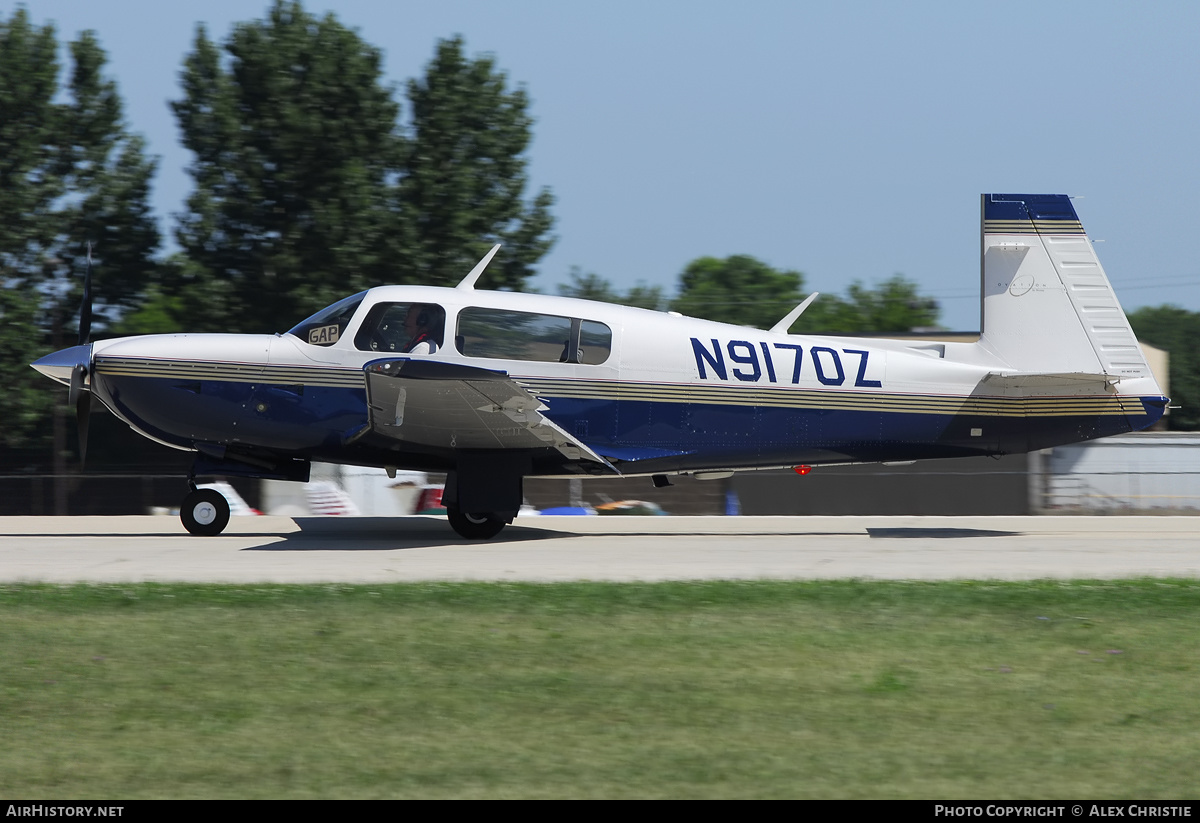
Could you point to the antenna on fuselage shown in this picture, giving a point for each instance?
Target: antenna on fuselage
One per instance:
(468, 282)
(786, 323)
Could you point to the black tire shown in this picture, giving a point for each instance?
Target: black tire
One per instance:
(478, 526)
(204, 511)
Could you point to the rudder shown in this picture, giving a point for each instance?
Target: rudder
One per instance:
(1047, 304)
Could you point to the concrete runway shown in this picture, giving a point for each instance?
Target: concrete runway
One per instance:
(377, 550)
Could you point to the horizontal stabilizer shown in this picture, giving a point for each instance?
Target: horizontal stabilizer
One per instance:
(1042, 383)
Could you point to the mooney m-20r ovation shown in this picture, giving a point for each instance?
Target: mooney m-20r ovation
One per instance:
(492, 387)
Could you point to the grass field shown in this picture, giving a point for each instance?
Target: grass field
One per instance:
(725, 689)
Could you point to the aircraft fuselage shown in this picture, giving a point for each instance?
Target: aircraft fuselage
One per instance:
(492, 387)
(672, 394)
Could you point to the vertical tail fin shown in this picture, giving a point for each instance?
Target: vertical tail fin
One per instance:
(1047, 304)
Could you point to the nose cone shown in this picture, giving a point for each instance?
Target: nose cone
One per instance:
(58, 366)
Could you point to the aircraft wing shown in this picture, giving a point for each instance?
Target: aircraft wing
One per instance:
(448, 405)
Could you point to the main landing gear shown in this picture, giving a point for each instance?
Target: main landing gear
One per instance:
(475, 526)
(205, 512)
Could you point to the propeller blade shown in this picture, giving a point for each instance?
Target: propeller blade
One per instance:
(85, 308)
(78, 374)
(83, 413)
(81, 398)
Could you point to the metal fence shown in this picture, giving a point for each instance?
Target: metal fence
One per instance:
(101, 493)
(1154, 472)
(1149, 473)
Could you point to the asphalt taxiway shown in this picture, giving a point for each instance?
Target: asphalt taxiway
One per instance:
(543, 549)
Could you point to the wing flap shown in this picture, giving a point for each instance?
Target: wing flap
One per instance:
(451, 406)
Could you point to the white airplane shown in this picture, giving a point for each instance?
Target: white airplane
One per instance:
(492, 387)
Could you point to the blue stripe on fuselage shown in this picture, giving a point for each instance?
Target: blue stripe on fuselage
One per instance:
(311, 421)
(287, 419)
(705, 435)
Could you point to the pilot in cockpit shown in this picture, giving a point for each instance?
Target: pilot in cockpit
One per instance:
(422, 324)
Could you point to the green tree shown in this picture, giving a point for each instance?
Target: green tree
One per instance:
(464, 175)
(594, 287)
(307, 188)
(893, 306)
(738, 289)
(28, 398)
(748, 292)
(108, 177)
(1177, 331)
(30, 184)
(295, 138)
(70, 173)
(31, 161)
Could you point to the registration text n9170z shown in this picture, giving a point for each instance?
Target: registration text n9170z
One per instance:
(830, 366)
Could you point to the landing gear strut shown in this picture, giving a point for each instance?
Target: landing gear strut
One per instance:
(204, 511)
(475, 525)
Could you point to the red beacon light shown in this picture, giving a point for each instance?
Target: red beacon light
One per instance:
(802, 470)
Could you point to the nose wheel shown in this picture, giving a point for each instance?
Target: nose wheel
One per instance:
(204, 511)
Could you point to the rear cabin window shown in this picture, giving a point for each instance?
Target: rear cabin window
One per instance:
(516, 335)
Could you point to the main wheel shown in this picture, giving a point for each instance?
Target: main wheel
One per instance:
(204, 511)
(477, 526)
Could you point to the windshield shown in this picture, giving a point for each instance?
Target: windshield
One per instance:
(326, 326)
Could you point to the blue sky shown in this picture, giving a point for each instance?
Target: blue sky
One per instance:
(848, 141)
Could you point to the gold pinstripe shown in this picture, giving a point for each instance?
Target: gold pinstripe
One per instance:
(715, 394)
(724, 395)
(1032, 227)
(230, 372)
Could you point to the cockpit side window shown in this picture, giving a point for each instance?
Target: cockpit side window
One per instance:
(516, 335)
(326, 326)
(412, 328)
